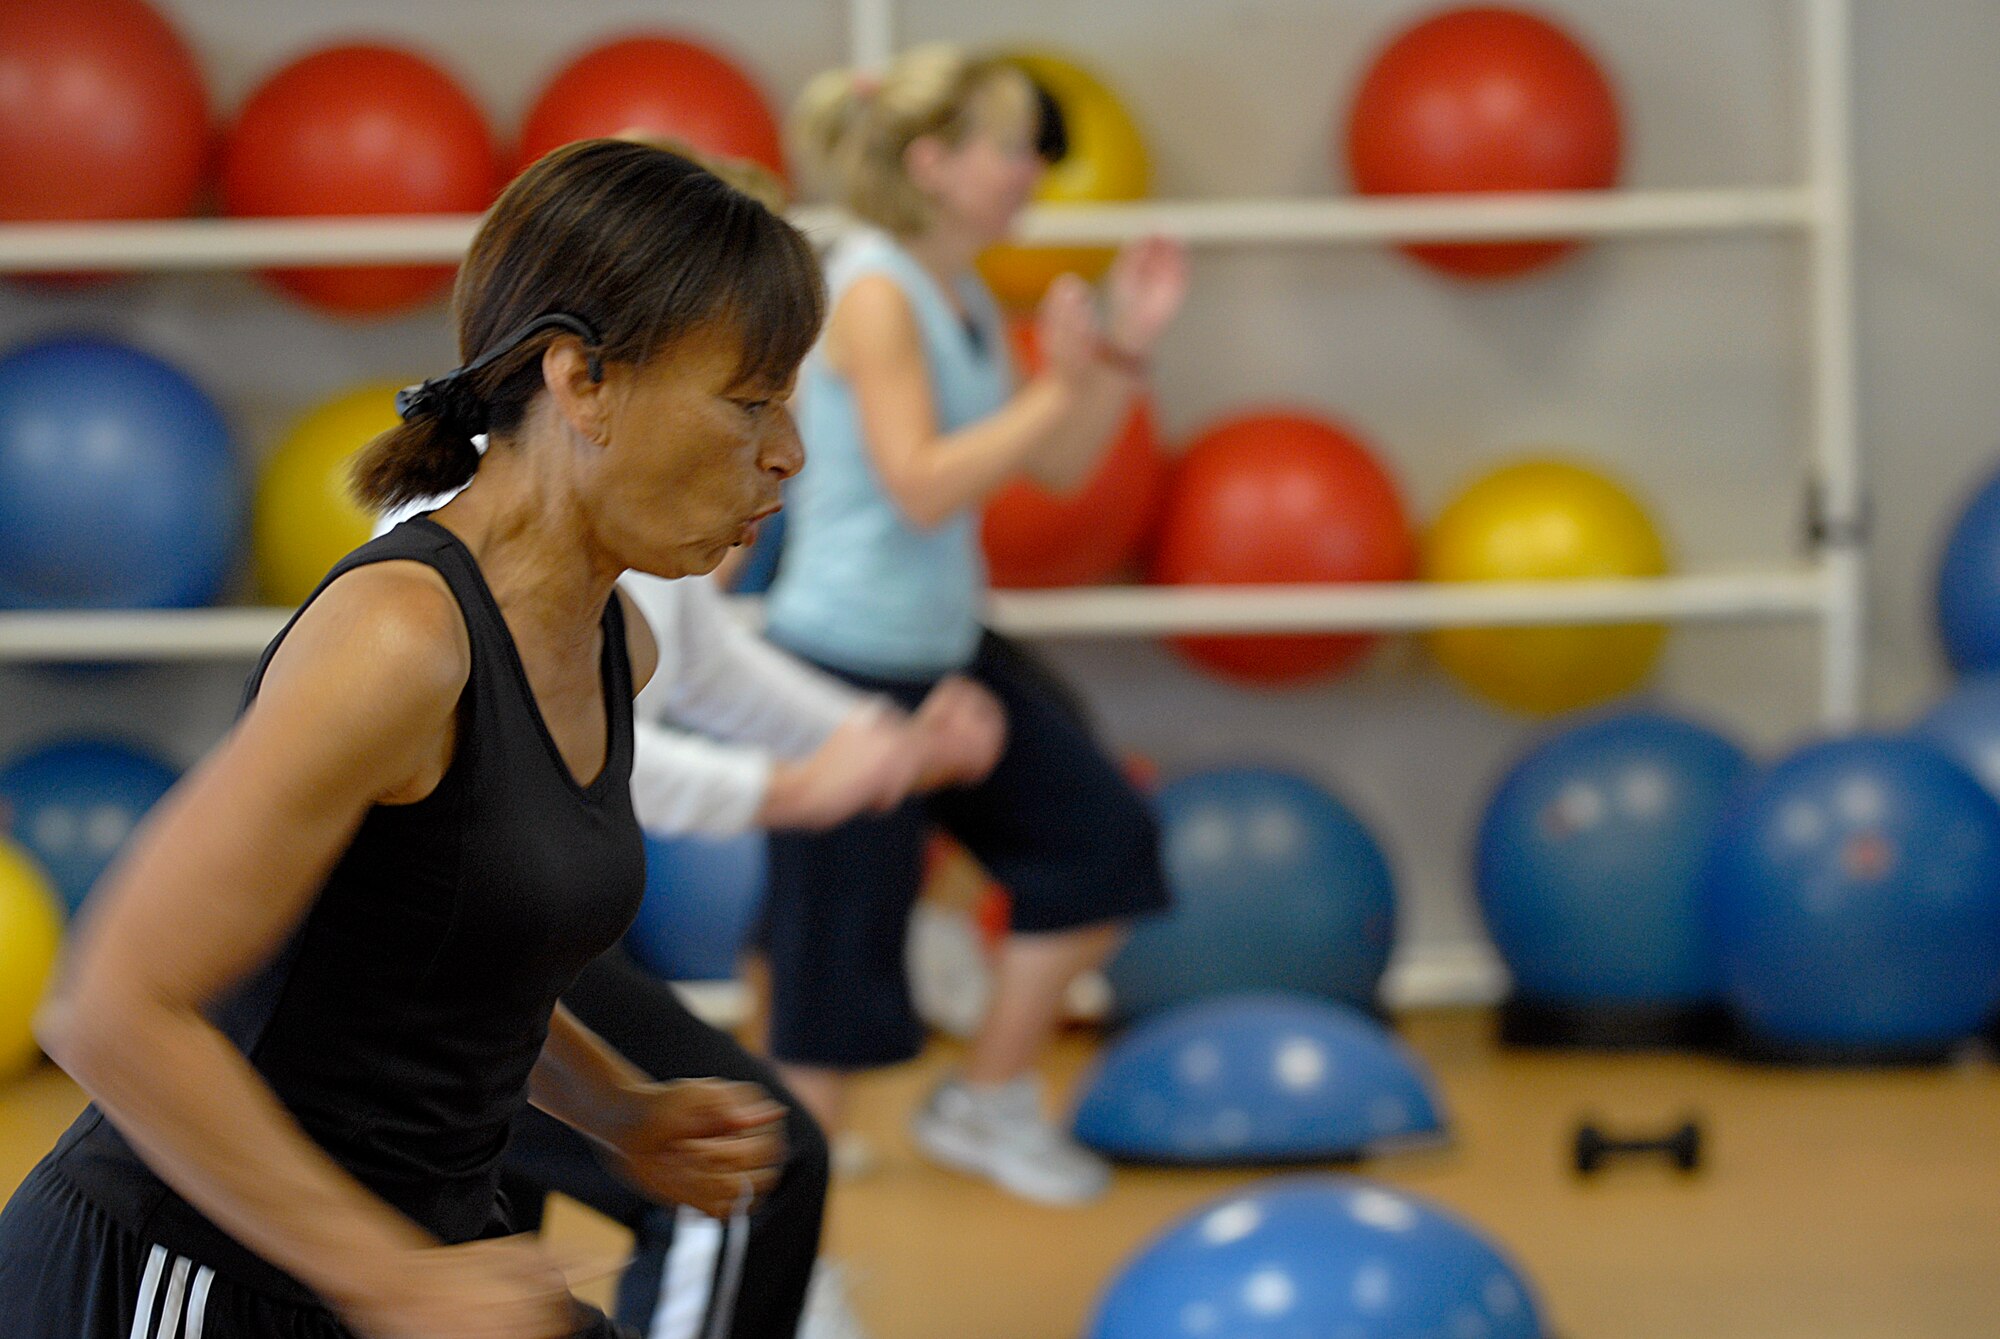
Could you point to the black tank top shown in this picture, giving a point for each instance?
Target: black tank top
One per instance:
(400, 1022)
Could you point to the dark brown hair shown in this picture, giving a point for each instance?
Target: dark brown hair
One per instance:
(645, 246)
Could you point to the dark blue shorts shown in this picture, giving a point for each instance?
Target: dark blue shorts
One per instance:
(1056, 824)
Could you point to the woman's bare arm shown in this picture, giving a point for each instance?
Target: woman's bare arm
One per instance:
(357, 708)
(874, 341)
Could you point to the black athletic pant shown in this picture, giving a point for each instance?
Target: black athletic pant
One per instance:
(69, 1270)
(642, 1017)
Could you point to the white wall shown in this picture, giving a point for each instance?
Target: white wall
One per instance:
(1678, 363)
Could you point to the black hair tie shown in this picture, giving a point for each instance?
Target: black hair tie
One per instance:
(451, 398)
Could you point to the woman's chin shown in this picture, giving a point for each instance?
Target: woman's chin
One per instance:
(681, 563)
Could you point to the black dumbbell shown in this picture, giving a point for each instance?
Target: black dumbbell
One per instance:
(1682, 1147)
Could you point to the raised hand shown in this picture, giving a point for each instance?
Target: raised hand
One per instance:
(1066, 327)
(1145, 289)
(963, 729)
(866, 766)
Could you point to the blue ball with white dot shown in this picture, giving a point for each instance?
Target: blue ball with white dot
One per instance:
(1315, 1258)
(1257, 1078)
(1590, 856)
(1854, 898)
(1277, 885)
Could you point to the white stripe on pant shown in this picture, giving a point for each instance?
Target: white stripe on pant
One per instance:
(198, 1301)
(688, 1277)
(142, 1315)
(171, 1313)
(170, 1310)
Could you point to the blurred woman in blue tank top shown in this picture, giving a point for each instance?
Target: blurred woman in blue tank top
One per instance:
(912, 417)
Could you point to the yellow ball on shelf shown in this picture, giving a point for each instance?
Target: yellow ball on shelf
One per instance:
(1546, 520)
(304, 519)
(31, 923)
(1106, 161)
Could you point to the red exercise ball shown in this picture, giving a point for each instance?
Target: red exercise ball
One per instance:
(360, 129)
(1484, 99)
(1034, 537)
(660, 84)
(1279, 497)
(102, 113)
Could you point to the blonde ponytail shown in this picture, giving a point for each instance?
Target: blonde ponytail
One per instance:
(850, 130)
(826, 116)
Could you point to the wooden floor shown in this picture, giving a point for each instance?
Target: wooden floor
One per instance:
(1838, 1205)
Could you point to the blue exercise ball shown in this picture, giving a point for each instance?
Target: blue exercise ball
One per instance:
(1256, 1078)
(703, 896)
(1854, 898)
(118, 486)
(1966, 725)
(1329, 1257)
(1276, 886)
(72, 804)
(1968, 584)
(1590, 856)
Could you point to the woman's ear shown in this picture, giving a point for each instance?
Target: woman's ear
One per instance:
(575, 382)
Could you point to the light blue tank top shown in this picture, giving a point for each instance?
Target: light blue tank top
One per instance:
(860, 587)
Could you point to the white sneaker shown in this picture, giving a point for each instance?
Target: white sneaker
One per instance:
(827, 1314)
(1001, 1134)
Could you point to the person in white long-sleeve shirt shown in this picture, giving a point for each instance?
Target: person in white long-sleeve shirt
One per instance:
(771, 752)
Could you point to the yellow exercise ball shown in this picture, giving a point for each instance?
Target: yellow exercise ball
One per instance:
(1106, 161)
(31, 921)
(304, 520)
(1546, 520)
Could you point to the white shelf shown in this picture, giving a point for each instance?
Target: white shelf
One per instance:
(138, 634)
(1154, 611)
(223, 244)
(1425, 218)
(1103, 611)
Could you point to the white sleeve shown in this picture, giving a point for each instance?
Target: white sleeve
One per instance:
(684, 784)
(719, 677)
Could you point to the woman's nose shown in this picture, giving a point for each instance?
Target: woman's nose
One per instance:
(784, 454)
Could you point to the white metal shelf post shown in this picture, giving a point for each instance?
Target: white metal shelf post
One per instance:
(1840, 515)
(871, 33)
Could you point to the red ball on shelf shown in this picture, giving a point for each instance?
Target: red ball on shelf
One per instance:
(662, 85)
(360, 129)
(1484, 99)
(1035, 537)
(103, 114)
(1276, 498)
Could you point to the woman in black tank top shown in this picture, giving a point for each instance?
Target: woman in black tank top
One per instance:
(315, 993)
